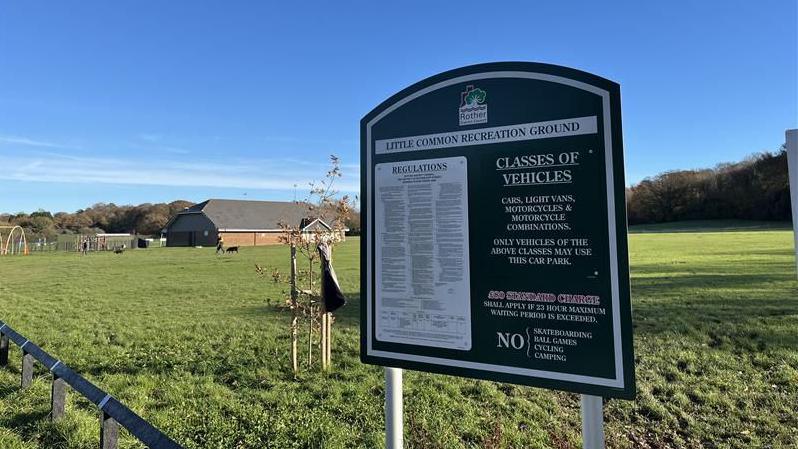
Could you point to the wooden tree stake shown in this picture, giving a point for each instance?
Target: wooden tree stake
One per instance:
(310, 331)
(294, 313)
(329, 339)
(323, 332)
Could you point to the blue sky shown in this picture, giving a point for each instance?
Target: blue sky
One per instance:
(149, 101)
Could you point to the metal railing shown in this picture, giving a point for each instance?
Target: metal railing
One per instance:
(112, 412)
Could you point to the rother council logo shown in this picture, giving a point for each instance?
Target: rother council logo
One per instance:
(473, 108)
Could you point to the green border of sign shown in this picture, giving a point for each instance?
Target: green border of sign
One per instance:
(625, 386)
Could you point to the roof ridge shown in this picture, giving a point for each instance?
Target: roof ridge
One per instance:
(253, 201)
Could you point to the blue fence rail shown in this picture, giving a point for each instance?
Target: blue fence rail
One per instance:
(112, 412)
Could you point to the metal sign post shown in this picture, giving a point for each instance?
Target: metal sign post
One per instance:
(394, 421)
(592, 422)
(792, 163)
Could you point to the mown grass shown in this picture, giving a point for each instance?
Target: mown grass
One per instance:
(711, 226)
(196, 344)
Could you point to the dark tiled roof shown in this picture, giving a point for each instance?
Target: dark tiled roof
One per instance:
(255, 215)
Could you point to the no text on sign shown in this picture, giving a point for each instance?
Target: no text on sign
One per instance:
(494, 241)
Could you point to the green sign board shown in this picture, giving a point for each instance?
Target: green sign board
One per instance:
(494, 221)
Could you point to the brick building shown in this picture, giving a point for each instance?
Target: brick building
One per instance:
(240, 223)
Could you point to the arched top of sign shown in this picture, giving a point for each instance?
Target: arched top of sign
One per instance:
(529, 70)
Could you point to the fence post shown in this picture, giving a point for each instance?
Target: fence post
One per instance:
(58, 398)
(3, 350)
(27, 369)
(109, 431)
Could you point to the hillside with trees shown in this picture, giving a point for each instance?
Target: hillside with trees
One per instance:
(756, 188)
(144, 219)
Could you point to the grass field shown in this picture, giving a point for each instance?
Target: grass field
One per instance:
(712, 226)
(196, 344)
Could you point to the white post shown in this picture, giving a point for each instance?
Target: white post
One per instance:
(394, 425)
(592, 422)
(792, 164)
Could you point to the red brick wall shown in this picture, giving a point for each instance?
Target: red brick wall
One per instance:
(250, 238)
(267, 238)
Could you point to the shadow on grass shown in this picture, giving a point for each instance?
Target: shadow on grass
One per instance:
(348, 315)
(676, 276)
(32, 425)
(35, 426)
(26, 420)
(8, 390)
(679, 303)
(775, 252)
(696, 226)
(718, 309)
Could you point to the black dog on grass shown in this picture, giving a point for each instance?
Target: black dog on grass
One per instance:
(232, 249)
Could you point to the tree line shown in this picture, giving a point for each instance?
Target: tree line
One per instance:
(144, 219)
(756, 188)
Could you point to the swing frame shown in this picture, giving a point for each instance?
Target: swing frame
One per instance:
(8, 244)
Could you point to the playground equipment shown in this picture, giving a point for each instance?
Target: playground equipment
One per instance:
(95, 242)
(13, 240)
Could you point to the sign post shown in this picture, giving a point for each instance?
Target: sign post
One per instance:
(394, 424)
(592, 422)
(495, 241)
(792, 167)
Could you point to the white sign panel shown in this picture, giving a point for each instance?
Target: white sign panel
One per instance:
(423, 281)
